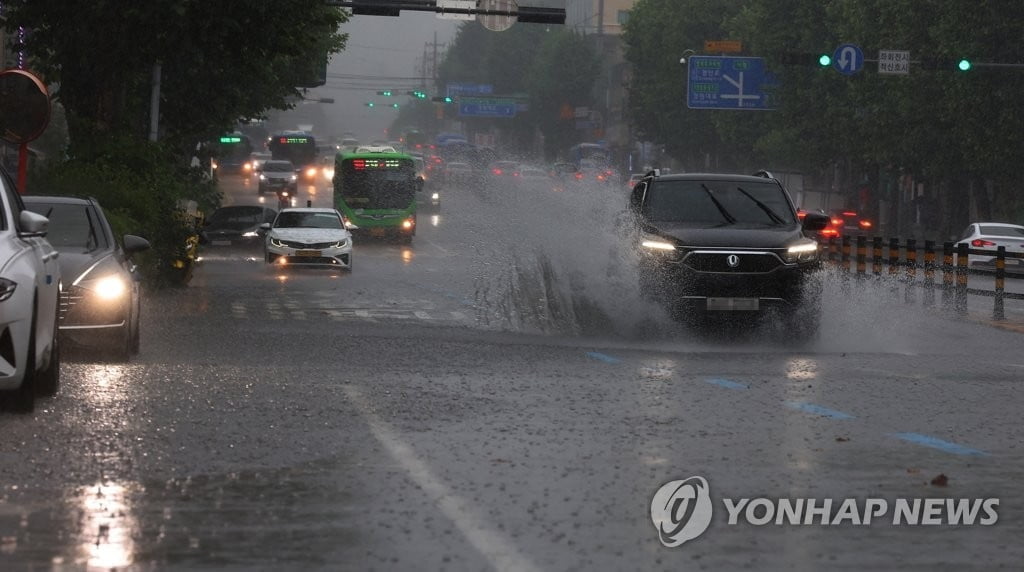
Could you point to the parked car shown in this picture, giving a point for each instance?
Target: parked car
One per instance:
(100, 304)
(278, 176)
(308, 237)
(990, 236)
(718, 245)
(30, 283)
(236, 225)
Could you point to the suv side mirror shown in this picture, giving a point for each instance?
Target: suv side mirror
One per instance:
(815, 222)
(133, 244)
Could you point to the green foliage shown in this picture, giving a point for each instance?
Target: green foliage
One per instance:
(139, 186)
(561, 76)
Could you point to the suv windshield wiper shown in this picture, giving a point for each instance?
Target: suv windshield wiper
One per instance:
(767, 209)
(725, 214)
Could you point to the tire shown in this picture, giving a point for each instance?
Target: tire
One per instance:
(48, 382)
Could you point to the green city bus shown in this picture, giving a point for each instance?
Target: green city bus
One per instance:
(376, 193)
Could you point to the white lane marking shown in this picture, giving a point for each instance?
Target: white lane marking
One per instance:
(459, 316)
(495, 548)
(438, 246)
(421, 315)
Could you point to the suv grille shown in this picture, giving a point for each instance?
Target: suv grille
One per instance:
(747, 262)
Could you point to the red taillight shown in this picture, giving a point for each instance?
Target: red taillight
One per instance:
(830, 232)
(801, 214)
(515, 174)
(579, 176)
(359, 164)
(865, 224)
(837, 221)
(981, 242)
(600, 177)
(849, 213)
(496, 171)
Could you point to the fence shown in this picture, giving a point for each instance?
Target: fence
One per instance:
(901, 264)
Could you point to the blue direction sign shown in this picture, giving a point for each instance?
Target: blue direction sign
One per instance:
(456, 89)
(722, 82)
(848, 59)
(486, 107)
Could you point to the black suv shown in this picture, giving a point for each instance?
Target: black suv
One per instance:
(727, 245)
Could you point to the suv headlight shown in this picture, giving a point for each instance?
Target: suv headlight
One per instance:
(802, 252)
(657, 244)
(7, 288)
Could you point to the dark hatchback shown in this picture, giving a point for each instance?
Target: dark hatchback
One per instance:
(100, 302)
(716, 245)
(236, 225)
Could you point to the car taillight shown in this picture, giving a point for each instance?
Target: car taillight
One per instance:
(579, 176)
(837, 221)
(801, 214)
(600, 177)
(849, 213)
(496, 171)
(981, 242)
(829, 232)
(865, 224)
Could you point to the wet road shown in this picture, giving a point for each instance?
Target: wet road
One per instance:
(496, 397)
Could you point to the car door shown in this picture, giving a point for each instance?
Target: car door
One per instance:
(46, 270)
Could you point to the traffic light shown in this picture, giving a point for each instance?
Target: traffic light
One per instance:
(964, 65)
(385, 92)
(442, 99)
(418, 94)
(805, 59)
(824, 60)
(370, 104)
(395, 105)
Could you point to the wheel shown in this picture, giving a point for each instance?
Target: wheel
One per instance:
(48, 381)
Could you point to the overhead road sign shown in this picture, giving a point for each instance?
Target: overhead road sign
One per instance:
(723, 46)
(726, 82)
(486, 107)
(457, 89)
(893, 62)
(848, 59)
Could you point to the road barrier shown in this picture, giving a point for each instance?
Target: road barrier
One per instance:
(903, 262)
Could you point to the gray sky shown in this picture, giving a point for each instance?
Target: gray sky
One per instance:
(380, 50)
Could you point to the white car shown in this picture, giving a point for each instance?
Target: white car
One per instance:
(990, 236)
(308, 237)
(30, 285)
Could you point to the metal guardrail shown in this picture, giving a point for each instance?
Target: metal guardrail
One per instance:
(902, 263)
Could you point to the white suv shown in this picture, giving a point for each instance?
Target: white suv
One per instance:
(30, 284)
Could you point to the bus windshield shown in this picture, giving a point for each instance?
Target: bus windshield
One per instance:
(377, 183)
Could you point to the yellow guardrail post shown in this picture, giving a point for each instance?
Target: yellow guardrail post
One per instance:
(862, 256)
(998, 312)
(894, 267)
(876, 256)
(845, 264)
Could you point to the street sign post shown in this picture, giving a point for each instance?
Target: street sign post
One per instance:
(725, 82)
(444, 5)
(893, 62)
(486, 107)
(848, 59)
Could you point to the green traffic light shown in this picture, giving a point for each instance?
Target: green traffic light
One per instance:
(824, 60)
(964, 65)
(395, 105)
(448, 100)
(369, 104)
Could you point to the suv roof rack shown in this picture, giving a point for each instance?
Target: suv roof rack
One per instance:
(765, 174)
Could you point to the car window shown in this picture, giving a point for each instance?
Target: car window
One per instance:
(73, 227)
(233, 215)
(298, 219)
(694, 201)
(13, 199)
(1005, 231)
(966, 233)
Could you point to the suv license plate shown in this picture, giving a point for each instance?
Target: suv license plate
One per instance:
(727, 304)
(307, 253)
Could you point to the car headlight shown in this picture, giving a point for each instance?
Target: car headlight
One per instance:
(250, 234)
(294, 177)
(340, 244)
(802, 252)
(311, 172)
(435, 197)
(263, 177)
(7, 288)
(107, 288)
(277, 242)
(657, 244)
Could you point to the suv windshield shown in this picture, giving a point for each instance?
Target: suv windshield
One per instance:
(693, 201)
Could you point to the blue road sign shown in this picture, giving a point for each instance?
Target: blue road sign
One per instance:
(457, 89)
(848, 59)
(723, 82)
(484, 107)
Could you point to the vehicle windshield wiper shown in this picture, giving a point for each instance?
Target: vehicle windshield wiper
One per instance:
(767, 209)
(725, 214)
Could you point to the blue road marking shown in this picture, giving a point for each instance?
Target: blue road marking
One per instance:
(726, 383)
(603, 357)
(818, 410)
(936, 443)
